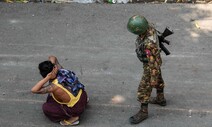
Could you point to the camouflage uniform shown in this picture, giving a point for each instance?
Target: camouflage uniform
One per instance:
(148, 52)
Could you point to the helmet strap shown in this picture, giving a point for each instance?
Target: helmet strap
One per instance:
(143, 35)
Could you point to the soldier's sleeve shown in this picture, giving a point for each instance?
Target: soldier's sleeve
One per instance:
(152, 53)
(138, 50)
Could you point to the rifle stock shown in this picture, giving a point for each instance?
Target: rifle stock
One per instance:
(162, 40)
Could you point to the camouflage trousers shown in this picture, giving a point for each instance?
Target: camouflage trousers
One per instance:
(145, 89)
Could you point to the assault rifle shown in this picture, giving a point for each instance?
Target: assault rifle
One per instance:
(162, 40)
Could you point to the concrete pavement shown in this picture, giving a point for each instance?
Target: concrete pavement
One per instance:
(92, 40)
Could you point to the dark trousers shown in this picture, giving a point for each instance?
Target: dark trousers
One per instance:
(57, 112)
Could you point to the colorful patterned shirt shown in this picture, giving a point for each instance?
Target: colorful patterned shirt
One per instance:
(69, 80)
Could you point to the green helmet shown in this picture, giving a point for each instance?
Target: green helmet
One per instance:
(137, 24)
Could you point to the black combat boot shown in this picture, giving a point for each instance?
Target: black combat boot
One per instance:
(160, 99)
(141, 115)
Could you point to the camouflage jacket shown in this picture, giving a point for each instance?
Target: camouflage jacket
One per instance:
(148, 52)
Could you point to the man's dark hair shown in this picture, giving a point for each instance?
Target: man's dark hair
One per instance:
(45, 68)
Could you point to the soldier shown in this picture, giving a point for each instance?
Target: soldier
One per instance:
(148, 52)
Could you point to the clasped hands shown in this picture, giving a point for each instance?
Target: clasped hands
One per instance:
(53, 73)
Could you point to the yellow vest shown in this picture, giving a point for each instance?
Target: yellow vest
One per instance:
(73, 99)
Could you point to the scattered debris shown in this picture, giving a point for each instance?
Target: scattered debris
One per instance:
(197, 25)
(112, 1)
(117, 99)
(118, 1)
(18, 1)
(189, 113)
